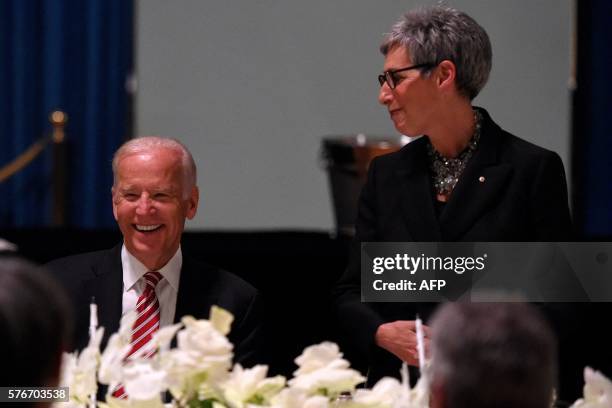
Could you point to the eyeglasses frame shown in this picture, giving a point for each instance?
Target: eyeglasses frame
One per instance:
(387, 76)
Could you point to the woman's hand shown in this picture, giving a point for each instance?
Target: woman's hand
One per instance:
(399, 337)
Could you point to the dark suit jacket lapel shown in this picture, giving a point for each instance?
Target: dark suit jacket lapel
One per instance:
(416, 193)
(195, 295)
(106, 286)
(471, 198)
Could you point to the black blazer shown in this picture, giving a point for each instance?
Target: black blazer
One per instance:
(99, 274)
(523, 198)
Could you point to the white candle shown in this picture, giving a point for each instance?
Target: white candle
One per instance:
(93, 319)
(420, 344)
(93, 326)
(405, 376)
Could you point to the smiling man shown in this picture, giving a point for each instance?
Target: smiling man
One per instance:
(154, 192)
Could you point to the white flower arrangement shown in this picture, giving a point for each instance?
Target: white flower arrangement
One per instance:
(199, 373)
(597, 391)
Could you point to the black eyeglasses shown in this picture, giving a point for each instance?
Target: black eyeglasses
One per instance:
(390, 76)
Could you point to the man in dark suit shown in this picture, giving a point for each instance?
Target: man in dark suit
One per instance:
(154, 192)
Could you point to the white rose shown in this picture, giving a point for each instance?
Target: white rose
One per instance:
(203, 355)
(251, 386)
(322, 370)
(142, 381)
(597, 391)
(329, 380)
(383, 395)
(203, 337)
(296, 398)
(317, 356)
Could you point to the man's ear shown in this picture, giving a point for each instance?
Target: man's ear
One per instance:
(113, 191)
(446, 74)
(192, 203)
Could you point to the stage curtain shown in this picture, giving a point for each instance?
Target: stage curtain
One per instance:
(592, 128)
(75, 56)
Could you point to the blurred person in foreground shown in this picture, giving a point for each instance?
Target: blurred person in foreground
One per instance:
(153, 194)
(466, 179)
(491, 355)
(35, 325)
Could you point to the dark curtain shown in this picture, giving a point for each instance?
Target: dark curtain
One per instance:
(75, 56)
(592, 125)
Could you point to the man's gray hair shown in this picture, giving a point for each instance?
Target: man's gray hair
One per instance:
(434, 34)
(493, 355)
(148, 143)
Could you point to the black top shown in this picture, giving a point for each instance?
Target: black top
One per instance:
(523, 198)
(439, 207)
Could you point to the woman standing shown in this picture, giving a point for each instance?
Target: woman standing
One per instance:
(466, 179)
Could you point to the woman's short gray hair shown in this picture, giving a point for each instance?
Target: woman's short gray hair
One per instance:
(146, 144)
(438, 33)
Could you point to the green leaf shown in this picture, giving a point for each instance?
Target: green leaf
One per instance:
(196, 403)
(256, 400)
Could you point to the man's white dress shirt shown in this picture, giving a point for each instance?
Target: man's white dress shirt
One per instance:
(166, 290)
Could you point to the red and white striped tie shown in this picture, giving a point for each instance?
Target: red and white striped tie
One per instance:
(145, 325)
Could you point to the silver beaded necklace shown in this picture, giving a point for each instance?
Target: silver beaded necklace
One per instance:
(446, 172)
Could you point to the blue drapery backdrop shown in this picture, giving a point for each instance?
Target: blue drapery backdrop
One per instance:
(75, 56)
(592, 128)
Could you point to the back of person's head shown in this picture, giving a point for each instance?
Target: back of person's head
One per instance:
(35, 325)
(492, 355)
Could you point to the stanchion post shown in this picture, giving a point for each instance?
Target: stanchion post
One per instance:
(59, 177)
